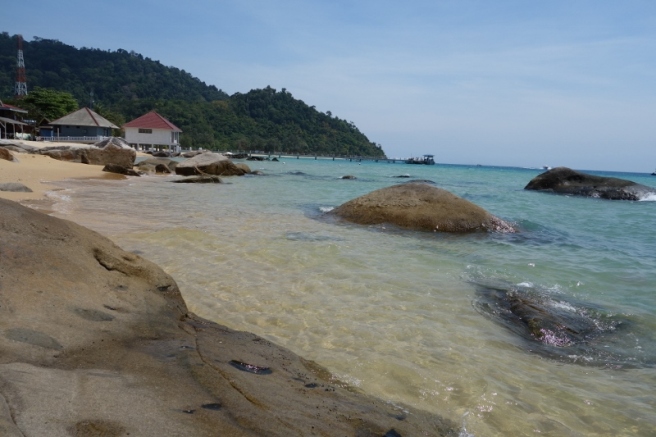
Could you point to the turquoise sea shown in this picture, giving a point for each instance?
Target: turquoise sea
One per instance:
(402, 315)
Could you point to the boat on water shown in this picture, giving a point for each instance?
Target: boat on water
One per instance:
(426, 159)
(654, 173)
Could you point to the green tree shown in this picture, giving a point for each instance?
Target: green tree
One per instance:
(49, 104)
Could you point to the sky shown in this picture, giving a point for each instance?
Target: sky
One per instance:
(506, 82)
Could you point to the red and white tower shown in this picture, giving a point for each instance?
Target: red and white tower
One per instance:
(21, 81)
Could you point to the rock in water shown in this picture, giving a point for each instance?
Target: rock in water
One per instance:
(561, 328)
(209, 163)
(563, 180)
(420, 207)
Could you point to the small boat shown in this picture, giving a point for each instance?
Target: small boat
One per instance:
(654, 173)
(546, 167)
(426, 159)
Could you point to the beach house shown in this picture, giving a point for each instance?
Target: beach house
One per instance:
(83, 125)
(11, 124)
(152, 130)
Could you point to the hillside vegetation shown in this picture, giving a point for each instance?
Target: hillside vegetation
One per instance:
(124, 85)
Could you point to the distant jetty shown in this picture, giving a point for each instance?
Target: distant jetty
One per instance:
(426, 160)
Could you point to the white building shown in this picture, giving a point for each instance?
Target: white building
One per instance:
(152, 131)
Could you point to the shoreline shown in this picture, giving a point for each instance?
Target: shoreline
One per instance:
(196, 377)
(40, 172)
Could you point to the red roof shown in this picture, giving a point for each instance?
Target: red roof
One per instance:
(152, 120)
(11, 107)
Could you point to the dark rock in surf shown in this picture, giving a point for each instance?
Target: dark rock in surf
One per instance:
(563, 180)
(420, 207)
(559, 328)
(202, 179)
(348, 177)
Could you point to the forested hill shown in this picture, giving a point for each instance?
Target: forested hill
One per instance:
(125, 85)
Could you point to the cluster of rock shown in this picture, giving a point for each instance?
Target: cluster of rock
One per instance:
(118, 157)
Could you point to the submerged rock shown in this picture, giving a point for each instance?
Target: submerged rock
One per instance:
(559, 328)
(563, 180)
(202, 179)
(420, 207)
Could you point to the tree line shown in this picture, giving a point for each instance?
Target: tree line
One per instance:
(124, 85)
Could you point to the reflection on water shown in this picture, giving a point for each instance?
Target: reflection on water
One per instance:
(392, 313)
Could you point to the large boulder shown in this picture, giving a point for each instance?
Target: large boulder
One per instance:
(209, 163)
(112, 151)
(96, 341)
(420, 207)
(563, 180)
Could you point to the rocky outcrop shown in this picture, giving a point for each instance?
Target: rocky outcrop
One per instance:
(100, 342)
(118, 169)
(18, 147)
(66, 153)
(158, 165)
(6, 154)
(420, 207)
(209, 163)
(563, 180)
(112, 151)
(191, 153)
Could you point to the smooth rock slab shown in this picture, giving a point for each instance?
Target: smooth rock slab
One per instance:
(98, 341)
(420, 207)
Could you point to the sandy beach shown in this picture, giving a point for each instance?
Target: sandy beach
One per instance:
(37, 172)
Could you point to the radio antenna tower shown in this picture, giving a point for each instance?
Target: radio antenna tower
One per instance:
(21, 81)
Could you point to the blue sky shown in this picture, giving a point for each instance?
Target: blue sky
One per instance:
(505, 82)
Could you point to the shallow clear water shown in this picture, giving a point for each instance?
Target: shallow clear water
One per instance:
(396, 313)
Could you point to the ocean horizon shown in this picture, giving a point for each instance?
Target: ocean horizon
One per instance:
(410, 317)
